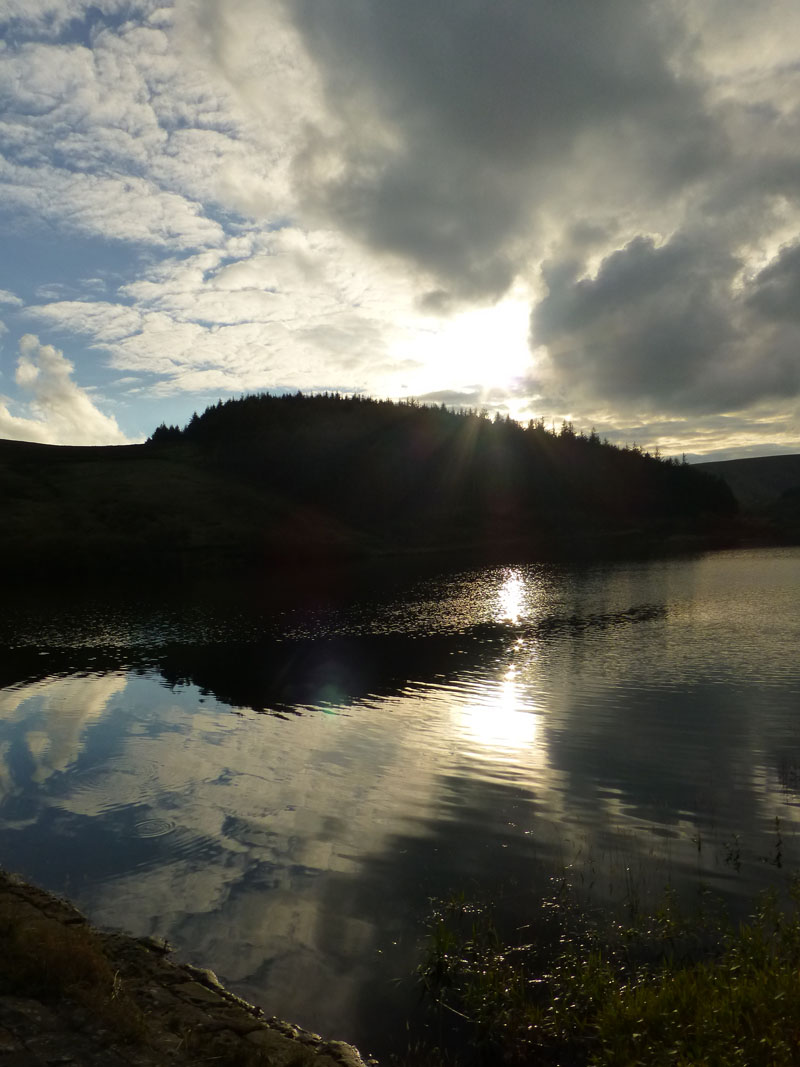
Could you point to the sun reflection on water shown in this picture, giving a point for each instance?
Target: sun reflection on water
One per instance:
(510, 598)
(502, 722)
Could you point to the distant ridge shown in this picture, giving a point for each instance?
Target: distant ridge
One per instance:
(757, 482)
(270, 481)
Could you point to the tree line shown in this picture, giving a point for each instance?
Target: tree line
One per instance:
(407, 470)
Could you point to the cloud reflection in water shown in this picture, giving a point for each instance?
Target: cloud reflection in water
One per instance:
(56, 713)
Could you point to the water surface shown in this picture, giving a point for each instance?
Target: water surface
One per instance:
(280, 779)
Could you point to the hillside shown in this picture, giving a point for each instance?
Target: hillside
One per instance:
(264, 480)
(132, 508)
(758, 482)
(767, 489)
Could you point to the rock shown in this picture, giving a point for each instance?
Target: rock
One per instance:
(154, 1011)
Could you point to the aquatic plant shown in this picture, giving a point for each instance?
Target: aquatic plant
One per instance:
(672, 987)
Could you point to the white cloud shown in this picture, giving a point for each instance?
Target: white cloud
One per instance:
(283, 308)
(10, 298)
(103, 321)
(60, 411)
(50, 17)
(129, 209)
(94, 139)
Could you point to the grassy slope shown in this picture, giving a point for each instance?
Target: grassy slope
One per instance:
(757, 482)
(81, 507)
(768, 491)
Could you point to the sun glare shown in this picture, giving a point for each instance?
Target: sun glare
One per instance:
(503, 724)
(485, 349)
(510, 598)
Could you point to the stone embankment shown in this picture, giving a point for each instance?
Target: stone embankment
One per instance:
(74, 995)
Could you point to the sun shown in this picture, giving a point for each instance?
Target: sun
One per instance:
(482, 352)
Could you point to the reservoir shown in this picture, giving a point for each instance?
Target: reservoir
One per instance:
(282, 777)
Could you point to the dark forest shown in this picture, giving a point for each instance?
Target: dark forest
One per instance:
(267, 479)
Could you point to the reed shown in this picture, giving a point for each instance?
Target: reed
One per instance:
(670, 985)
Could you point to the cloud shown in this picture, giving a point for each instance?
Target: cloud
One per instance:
(477, 397)
(62, 412)
(10, 298)
(96, 142)
(267, 310)
(449, 126)
(642, 328)
(765, 428)
(127, 209)
(99, 319)
(774, 292)
(669, 327)
(50, 18)
(312, 194)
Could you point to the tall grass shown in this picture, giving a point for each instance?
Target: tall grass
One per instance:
(674, 985)
(45, 959)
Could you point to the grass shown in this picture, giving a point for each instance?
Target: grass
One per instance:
(51, 961)
(69, 966)
(671, 987)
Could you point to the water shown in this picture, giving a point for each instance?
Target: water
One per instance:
(279, 779)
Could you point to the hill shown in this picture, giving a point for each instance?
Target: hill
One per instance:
(767, 489)
(267, 479)
(757, 483)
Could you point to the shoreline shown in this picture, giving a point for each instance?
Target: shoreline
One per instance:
(133, 565)
(88, 996)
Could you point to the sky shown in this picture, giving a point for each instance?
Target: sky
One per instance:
(569, 209)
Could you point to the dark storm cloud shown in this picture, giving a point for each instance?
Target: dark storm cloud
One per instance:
(776, 289)
(627, 144)
(456, 118)
(459, 399)
(667, 327)
(643, 328)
